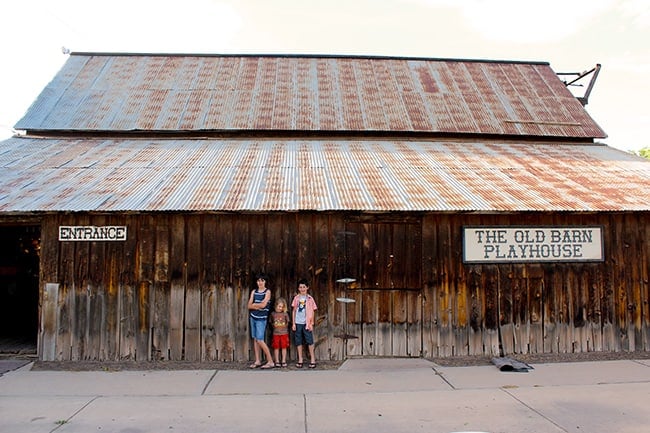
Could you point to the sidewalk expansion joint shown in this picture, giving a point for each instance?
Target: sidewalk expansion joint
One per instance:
(304, 406)
(442, 376)
(533, 409)
(207, 384)
(67, 420)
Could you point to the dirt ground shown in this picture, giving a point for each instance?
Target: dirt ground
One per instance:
(163, 365)
(457, 361)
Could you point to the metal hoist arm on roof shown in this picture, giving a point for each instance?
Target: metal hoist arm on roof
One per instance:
(584, 99)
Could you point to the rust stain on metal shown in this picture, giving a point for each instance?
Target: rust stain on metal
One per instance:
(309, 93)
(293, 175)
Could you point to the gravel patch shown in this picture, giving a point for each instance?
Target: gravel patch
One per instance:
(456, 361)
(542, 358)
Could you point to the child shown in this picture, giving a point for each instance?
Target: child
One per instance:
(303, 306)
(280, 322)
(258, 305)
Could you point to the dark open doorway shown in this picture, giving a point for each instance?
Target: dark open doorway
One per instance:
(19, 271)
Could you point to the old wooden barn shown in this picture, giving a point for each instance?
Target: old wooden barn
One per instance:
(439, 207)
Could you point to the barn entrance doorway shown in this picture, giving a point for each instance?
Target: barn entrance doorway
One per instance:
(19, 276)
(384, 257)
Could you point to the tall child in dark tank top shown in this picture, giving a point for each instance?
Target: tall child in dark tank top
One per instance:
(258, 305)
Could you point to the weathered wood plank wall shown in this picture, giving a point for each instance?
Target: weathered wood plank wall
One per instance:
(177, 287)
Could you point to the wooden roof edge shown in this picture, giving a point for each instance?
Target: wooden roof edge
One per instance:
(307, 56)
(299, 135)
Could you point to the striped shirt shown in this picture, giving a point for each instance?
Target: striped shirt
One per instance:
(258, 298)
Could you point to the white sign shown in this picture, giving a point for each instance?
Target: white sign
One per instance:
(532, 244)
(92, 233)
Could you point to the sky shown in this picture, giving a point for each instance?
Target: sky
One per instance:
(573, 36)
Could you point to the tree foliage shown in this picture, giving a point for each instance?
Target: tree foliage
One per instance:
(645, 152)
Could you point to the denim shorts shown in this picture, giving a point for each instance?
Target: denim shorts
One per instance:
(302, 335)
(258, 328)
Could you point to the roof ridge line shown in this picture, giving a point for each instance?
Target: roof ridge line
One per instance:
(307, 56)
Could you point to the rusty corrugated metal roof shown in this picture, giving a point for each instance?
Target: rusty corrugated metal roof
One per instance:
(292, 175)
(113, 92)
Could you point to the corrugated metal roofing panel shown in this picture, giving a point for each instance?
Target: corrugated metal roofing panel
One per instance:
(293, 175)
(307, 93)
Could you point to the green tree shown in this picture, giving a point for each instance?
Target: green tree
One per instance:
(645, 152)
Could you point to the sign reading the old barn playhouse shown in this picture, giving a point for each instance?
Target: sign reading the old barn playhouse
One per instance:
(92, 233)
(532, 244)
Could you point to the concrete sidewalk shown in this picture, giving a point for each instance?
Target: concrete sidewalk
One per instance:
(363, 395)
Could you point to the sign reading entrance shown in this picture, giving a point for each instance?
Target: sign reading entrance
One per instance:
(532, 244)
(92, 233)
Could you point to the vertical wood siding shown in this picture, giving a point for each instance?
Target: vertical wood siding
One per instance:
(177, 288)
